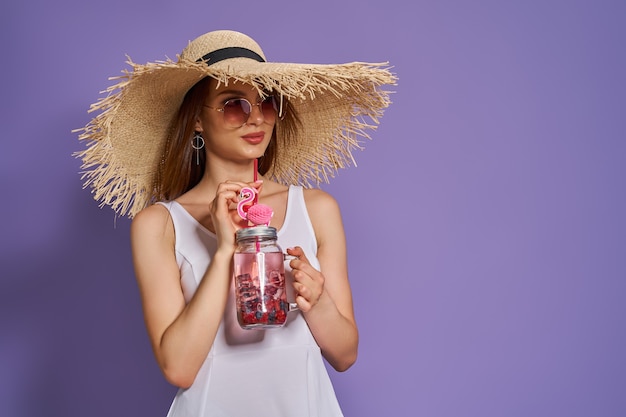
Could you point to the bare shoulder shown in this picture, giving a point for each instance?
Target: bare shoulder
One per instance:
(325, 215)
(318, 201)
(154, 220)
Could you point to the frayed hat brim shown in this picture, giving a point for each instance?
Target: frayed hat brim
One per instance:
(338, 104)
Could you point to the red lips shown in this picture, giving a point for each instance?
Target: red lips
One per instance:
(254, 138)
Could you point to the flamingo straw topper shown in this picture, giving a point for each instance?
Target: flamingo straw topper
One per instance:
(257, 214)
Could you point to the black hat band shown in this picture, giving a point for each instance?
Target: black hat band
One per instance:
(230, 52)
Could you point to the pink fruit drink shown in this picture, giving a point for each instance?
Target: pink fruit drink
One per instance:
(260, 290)
(260, 295)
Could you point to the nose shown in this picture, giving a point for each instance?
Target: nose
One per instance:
(256, 115)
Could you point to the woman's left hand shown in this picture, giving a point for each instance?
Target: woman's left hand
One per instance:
(308, 281)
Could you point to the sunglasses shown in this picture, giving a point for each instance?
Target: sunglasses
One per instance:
(237, 110)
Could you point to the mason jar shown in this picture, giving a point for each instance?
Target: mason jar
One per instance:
(259, 274)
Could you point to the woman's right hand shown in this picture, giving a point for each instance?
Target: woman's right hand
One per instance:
(223, 209)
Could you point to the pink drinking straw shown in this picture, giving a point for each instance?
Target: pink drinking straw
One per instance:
(256, 214)
(256, 197)
(256, 177)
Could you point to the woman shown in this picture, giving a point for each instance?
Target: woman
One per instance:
(227, 110)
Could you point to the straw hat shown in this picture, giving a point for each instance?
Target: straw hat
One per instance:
(336, 104)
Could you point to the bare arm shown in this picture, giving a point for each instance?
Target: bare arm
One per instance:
(325, 297)
(181, 334)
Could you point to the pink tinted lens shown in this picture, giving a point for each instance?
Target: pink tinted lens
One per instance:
(236, 111)
(269, 108)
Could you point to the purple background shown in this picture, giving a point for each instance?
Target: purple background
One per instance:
(485, 220)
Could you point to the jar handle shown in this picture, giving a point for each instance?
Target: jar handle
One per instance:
(292, 306)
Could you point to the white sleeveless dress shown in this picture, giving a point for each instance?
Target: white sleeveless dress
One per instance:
(260, 373)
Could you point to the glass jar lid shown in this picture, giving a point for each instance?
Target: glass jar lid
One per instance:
(265, 232)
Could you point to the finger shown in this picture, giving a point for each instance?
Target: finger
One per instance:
(302, 278)
(223, 199)
(300, 257)
(296, 251)
(257, 185)
(231, 191)
(305, 272)
(237, 185)
(311, 292)
(303, 304)
(230, 185)
(301, 289)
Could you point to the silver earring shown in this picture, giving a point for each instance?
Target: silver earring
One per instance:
(197, 143)
(281, 109)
